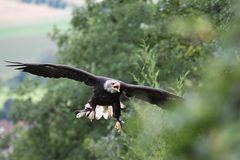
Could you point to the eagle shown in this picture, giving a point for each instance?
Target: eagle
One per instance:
(107, 92)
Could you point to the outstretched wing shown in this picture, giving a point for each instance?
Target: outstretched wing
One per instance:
(55, 71)
(149, 94)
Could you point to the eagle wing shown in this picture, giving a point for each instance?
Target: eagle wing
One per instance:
(149, 94)
(55, 71)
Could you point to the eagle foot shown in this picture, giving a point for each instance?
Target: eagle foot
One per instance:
(118, 125)
(122, 106)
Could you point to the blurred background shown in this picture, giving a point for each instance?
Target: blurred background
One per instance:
(24, 27)
(188, 47)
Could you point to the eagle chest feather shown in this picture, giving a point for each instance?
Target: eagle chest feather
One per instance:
(102, 97)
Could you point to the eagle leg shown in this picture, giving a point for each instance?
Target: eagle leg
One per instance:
(117, 114)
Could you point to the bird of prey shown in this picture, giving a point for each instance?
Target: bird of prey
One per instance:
(105, 101)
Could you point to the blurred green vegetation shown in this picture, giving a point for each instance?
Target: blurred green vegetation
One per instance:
(183, 46)
(3, 96)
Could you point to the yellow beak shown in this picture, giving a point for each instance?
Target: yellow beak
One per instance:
(116, 87)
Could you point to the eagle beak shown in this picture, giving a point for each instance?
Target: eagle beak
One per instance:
(116, 87)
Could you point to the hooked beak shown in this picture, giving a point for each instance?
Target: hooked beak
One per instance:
(116, 87)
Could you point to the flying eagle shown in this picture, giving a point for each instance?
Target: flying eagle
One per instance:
(105, 101)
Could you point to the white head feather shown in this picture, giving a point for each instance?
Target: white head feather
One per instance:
(112, 86)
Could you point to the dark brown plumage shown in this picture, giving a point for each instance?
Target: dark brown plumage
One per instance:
(107, 91)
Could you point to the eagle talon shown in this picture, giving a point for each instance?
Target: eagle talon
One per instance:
(118, 125)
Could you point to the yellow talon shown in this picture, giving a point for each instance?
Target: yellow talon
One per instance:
(122, 105)
(118, 125)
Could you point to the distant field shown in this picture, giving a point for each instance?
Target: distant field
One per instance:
(23, 33)
(27, 44)
(16, 30)
(31, 48)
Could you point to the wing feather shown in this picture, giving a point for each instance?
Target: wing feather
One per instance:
(55, 71)
(149, 94)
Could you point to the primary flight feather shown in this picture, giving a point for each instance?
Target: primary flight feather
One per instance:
(107, 91)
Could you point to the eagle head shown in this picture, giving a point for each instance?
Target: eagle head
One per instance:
(112, 86)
